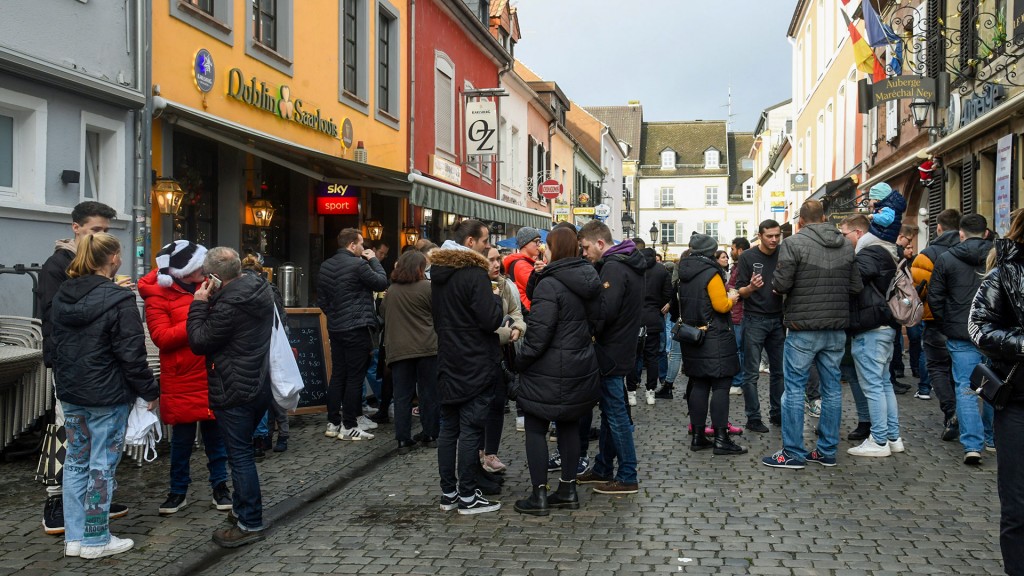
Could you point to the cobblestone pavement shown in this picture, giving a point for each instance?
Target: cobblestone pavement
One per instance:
(920, 512)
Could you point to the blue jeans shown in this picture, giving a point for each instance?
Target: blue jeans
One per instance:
(915, 334)
(675, 361)
(824, 349)
(236, 427)
(737, 380)
(183, 438)
(849, 373)
(616, 439)
(95, 443)
(762, 333)
(872, 351)
(975, 424)
(373, 375)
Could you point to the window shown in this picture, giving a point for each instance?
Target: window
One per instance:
(711, 229)
(264, 18)
(350, 46)
(514, 168)
(355, 43)
(748, 192)
(103, 161)
(668, 198)
(668, 232)
(388, 60)
(711, 195)
(747, 164)
(444, 104)
(741, 229)
(711, 159)
(91, 184)
(22, 147)
(203, 5)
(213, 17)
(668, 160)
(6, 152)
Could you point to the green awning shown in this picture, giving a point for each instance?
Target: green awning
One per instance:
(435, 198)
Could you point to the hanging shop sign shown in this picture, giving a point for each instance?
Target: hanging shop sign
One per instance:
(602, 211)
(778, 199)
(870, 95)
(481, 128)
(262, 96)
(799, 182)
(583, 210)
(445, 169)
(550, 189)
(333, 198)
(1004, 163)
(203, 71)
(562, 212)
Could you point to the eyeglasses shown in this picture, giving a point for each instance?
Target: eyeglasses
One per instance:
(848, 232)
(535, 240)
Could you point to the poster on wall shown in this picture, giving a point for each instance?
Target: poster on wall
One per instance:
(1004, 162)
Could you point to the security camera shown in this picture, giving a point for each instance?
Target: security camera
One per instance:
(159, 105)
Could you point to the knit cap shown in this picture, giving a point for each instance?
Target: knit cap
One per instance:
(879, 191)
(703, 244)
(526, 235)
(178, 260)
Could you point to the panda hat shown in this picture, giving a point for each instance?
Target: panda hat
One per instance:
(178, 260)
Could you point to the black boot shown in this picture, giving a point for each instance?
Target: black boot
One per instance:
(700, 441)
(257, 448)
(724, 446)
(537, 504)
(862, 431)
(565, 496)
(665, 393)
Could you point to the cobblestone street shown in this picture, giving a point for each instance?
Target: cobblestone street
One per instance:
(921, 512)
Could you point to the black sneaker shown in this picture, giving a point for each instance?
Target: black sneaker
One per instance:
(257, 448)
(173, 503)
(477, 504)
(449, 503)
(756, 426)
(406, 446)
(118, 510)
(775, 421)
(53, 515)
(282, 444)
(951, 431)
(222, 496)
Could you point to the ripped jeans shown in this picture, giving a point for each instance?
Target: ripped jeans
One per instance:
(95, 444)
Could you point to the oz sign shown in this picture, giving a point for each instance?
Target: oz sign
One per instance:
(550, 189)
(481, 128)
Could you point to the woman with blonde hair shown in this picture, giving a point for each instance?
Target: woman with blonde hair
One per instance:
(100, 368)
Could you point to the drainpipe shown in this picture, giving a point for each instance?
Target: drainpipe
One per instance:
(143, 136)
(497, 103)
(412, 85)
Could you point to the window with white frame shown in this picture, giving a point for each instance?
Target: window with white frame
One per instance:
(711, 229)
(668, 232)
(103, 164)
(668, 198)
(748, 191)
(444, 104)
(22, 147)
(711, 195)
(712, 159)
(741, 229)
(668, 159)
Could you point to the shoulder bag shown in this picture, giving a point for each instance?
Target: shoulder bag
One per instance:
(686, 334)
(992, 389)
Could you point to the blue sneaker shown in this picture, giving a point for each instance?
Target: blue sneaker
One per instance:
(555, 462)
(584, 463)
(820, 458)
(783, 459)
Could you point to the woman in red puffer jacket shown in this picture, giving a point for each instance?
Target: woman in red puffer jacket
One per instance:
(183, 386)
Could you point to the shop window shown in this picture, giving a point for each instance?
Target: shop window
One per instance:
(22, 147)
(388, 62)
(269, 28)
(102, 176)
(195, 162)
(213, 17)
(444, 104)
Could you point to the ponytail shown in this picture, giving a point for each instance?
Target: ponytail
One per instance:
(94, 251)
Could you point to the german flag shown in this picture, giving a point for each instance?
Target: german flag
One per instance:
(863, 55)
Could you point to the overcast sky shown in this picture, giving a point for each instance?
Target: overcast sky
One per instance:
(678, 57)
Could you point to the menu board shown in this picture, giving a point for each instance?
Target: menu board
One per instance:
(307, 335)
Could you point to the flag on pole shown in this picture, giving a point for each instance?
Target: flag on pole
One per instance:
(878, 34)
(863, 55)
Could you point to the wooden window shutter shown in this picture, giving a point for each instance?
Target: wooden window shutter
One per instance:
(968, 35)
(936, 199)
(967, 186)
(934, 56)
(444, 116)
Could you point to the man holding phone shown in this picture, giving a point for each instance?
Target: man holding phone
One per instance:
(762, 324)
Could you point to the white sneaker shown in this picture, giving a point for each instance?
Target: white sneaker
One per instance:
(332, 431)
(650, 397)
(73, 549)
(896, 445)
(922, 395)
(365, 423)
(115, 546)
(735, 390)
(354, 434)
(871, 449)
(631, 397)
(520, 424)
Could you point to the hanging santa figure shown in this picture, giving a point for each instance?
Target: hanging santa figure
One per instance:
(926, 171)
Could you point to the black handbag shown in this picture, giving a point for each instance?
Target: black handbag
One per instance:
(686, 334)
(992, 389)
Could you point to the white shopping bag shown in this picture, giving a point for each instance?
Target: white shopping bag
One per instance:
(285, 379)
(143, 430)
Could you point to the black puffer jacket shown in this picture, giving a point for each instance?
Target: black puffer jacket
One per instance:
(657, 292)
(996, 320)
(816, 273)
(233, 331)
(345, 291)
(559, 378)
(54, 273)
(717, 356)
(955, 281)
(99, 347)
(466, 315)
(618, 324)
(869, 309)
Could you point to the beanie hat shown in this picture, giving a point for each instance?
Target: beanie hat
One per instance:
(879, 191)
(525, 236)
(177, 260)
(703, 244)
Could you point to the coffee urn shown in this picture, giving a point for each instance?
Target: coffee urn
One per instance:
(289, 280)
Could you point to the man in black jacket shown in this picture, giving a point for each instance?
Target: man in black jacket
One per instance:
(467, 311)
(656, 296)
(86, 218)
(231, 327)
(345, 293)
(621, 268)
(954, 283)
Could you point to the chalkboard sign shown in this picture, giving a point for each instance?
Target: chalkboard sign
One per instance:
(307, 334)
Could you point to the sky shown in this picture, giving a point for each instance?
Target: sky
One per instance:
(677, 57)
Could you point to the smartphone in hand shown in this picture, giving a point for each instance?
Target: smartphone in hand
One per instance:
(215, 282)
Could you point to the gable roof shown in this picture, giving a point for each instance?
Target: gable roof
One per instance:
(738, 142)
(689, 140)
(625, 121)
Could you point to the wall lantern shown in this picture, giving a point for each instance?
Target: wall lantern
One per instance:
(262, 212)
(374, 229)
(167, 195)
(411, 235)
(919, 109)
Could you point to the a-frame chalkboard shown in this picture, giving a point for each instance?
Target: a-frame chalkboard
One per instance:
(308, 337)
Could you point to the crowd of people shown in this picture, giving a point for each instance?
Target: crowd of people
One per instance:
(560, 326)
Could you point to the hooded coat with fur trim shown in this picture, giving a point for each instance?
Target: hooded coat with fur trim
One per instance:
(184, 391)
(466, 315)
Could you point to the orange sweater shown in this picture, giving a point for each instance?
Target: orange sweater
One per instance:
(719, 297)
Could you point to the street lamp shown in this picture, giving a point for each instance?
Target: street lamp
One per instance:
(627, 222)
(664, 248)
(654, 233)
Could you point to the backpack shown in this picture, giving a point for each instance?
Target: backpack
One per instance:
(904, 302)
